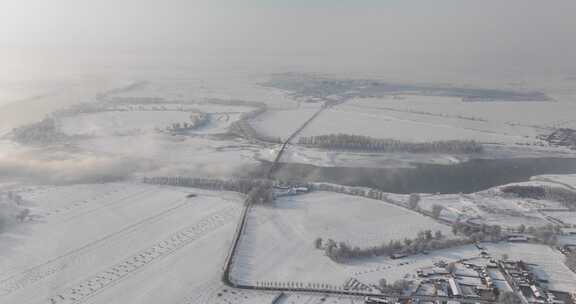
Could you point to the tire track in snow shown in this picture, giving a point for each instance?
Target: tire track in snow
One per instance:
(61, 262)
(115, 274)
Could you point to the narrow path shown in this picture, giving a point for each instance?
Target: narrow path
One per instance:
(285, 144)
(111, 276)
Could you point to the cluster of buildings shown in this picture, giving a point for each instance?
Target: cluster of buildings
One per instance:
(529, 286)
(484, 279)
(465, 279)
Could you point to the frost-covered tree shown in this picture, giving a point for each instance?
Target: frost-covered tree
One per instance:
(318, 243)
(436, 211)
(413, 200)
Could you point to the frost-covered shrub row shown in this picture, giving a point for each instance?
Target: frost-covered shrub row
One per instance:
(258, 190)
(43, 132)
(562, 195)
(370, 144)
(426, 240)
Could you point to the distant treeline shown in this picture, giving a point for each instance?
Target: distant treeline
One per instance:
(564, 196)
(370, 144)
(40, 133)
(320, 86)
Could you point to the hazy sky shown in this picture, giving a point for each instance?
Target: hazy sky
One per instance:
(523, 35)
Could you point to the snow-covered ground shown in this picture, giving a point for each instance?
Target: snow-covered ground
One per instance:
(427, 118)
(278, 244)
(381, 123)
(205, 86)
(274, 251)
(118, 243)
(566, 180)
(39, 103)
(282, 123)
(566, 217)
(514, 117)
(493, 207)
(126, 242)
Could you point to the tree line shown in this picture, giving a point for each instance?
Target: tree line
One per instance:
(478, 233)
(257, 190)
(371, 144)
(570, 260)
(426, 240)
(43, 132)
(561, 195)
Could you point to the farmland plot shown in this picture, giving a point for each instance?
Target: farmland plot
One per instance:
(278, 244)
(120, 235)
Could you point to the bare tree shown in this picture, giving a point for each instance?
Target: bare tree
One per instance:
(383, 284)
(318, 243)
(414, 200)
(436, 211)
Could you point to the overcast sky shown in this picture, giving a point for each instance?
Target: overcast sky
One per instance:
(524, 35)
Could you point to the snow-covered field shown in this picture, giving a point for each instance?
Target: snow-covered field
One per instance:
(425, 118)
(117, 243)
(493, 207)
(382, 123)
(274, 251)
(53, 97)
(220, 86)
(569, 218)
(566, 180)
(279, 241)
(514, 117)
(126, 242)
(282, 123)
